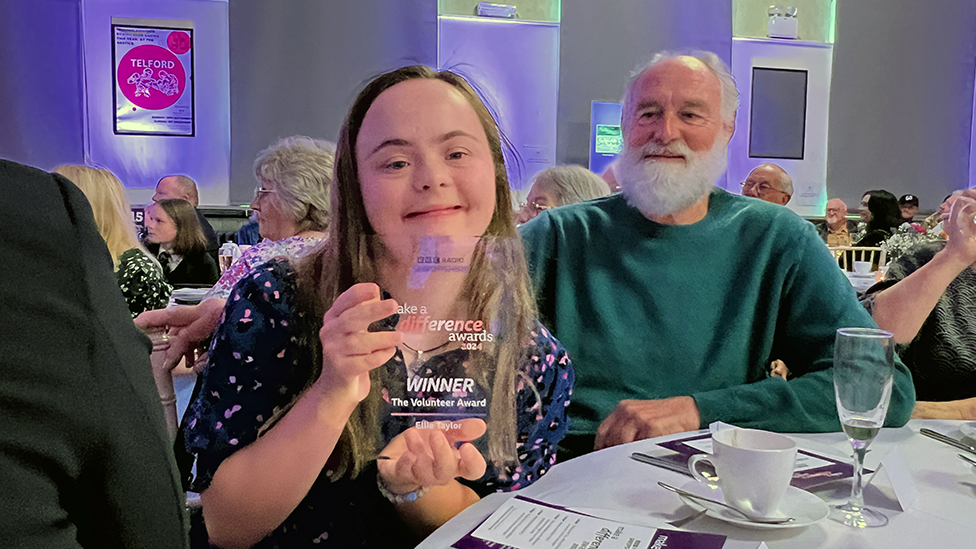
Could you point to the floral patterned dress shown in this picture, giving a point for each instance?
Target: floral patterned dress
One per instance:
(142, 282)
(256, 365)
(293, 247)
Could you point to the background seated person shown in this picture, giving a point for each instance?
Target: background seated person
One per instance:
(185, 188)
(559, 186)
(84, 459)
(928, 301)
(769, 182)
(881, 215)
(942, 213)
(174, 236)
(909, 207)
(140, 277)
(250, 233)
(674, 296)
(291, 203)
(836, 229)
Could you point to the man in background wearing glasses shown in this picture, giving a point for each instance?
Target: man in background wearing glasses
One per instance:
(836, 229)
(769, 182)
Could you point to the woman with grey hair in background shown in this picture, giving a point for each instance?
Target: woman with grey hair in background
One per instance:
(559, 186)
(292, 204)
(292, 199)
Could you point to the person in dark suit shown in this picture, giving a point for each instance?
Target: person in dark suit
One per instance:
(175, 237)
(181, 186)
(84, 457)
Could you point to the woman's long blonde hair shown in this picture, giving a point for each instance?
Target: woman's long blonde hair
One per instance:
(347, 258)
(113, 215)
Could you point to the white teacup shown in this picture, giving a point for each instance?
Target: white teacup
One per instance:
(862, 267)
(754, 468)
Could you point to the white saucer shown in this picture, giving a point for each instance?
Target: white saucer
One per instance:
(804, 507)
(968, 430)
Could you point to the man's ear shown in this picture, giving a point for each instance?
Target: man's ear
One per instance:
(729, 127)
(787, 199)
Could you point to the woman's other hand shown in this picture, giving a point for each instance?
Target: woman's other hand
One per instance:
(778, 369)
(185, 327)
(430, 457)
(961, 229)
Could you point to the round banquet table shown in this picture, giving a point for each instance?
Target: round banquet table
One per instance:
(611, 485)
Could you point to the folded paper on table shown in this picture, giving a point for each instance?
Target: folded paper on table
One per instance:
(811, 469)
(523, 523)
(900, 479)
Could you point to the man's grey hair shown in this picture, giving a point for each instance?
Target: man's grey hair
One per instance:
(188, 187)
(571, 184)
(302, 170)
(730, 95)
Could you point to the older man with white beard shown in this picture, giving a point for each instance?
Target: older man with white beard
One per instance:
(674, 296)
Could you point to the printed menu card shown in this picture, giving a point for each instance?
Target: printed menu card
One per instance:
(523, 523)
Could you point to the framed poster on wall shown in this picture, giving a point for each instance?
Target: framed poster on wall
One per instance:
(152, 73)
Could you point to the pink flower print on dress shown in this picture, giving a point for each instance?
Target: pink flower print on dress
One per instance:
(232, 411)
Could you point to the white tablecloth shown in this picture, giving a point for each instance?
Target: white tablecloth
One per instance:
(943, 516)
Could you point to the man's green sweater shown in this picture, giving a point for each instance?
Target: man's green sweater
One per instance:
(650, 311)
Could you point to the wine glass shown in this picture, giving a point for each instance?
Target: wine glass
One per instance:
(863, 369)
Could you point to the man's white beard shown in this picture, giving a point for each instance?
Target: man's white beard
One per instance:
(661, 188)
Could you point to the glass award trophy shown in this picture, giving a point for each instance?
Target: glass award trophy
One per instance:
(452, 311)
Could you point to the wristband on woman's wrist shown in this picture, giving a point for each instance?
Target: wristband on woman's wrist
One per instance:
(166, 401)
(399, 498)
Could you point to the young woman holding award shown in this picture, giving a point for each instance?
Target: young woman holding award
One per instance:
(293, 429)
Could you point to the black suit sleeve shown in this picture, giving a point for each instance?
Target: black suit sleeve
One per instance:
(83, 450)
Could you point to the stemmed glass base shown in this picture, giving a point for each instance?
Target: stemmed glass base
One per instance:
(858, 517)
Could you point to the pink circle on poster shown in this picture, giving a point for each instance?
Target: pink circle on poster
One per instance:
(151, 77)
(178, 42)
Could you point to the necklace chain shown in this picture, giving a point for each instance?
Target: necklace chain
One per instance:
(421, 353)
